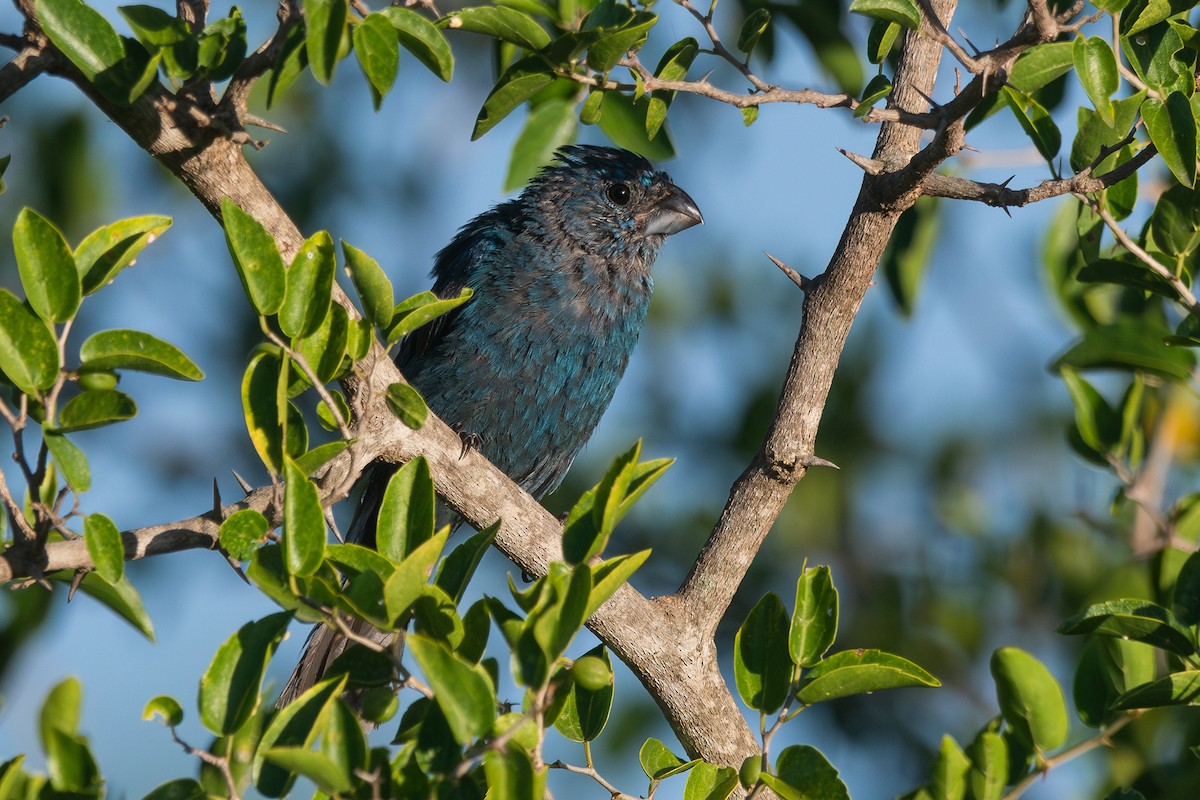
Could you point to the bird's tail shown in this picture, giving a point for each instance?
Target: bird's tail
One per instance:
(322, 648)
(324, 643)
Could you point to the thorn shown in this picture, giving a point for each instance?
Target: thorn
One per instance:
(816, 461)
(867, 165)
(1007, 181)
(76, 579)
(704, 78)
(259, 122)
(975, 51)
(218, 507)
(246, 487)
(804, 283)
(235, 566)
(934, 104)
(969, 147)
(1007, 213)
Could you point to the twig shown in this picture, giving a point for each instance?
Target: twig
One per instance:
(1104, 738)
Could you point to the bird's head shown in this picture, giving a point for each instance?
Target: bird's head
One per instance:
(608, 198)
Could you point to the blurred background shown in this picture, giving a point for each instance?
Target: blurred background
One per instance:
(959, 521)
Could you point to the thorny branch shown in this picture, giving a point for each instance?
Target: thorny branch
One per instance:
(665, 638)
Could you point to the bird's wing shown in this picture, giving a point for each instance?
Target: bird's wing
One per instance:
(456, 267)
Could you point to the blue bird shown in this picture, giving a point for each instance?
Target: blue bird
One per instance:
(526, 368)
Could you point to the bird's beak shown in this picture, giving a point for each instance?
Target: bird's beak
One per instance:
(674, 213)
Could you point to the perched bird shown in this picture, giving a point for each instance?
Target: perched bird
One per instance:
(526, 368)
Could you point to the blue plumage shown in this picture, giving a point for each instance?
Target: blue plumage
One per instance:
(527, 367)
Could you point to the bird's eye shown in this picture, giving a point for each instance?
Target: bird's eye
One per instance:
(619, 193)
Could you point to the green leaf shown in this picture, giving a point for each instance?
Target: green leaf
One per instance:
(319, 456)
(608, 575)
(111, 248)
(256, 257)
(325, 23)
(70, 764)
(902, 12)
(803, 773)
(123, 349)
(589, 112)
(421, 309)
(989, 766)
(60, 709)
(1036, 121)
(261, 407)
(372, 284)
(1126, 273)
(153, 26)
(1039, 65)
(95, 408)
(28, 352)
(1098, 424)
(378, 52)
(178, 789)
(1172, 129)
(407, 512)
(456, 569)
(852, 672)
(104, 546)
(709, 782)
(762, 666)
(308, 287)
(325, 414)
(70, 460)
(591, 520)
(910, 251)
(242, 533)
(1109, 667)
(551, 124)
(1030, 699)
(325, 350)
(303, 523)
(505, 24)
(407, 404)
(814, 622)
(1094, 134)
(950, 770)
(1186, 598)
(82, 34)
(586, 711)
(290, 64)
(1142, 15)
(1129, 344)
(625, 123)
(165, 707)
(519, 82)
(882, 39)
(315, 766)
(296, 725)
(462, 691)
(1096, 68)
(673, 66)
(408, 582)
(659, 763)
(753, 27)
(1137, 620)
(122, 598)
(46, 266)
(423, 39)
(877, 89)
(612, 45)
(511, 776)
(229, 688)
(222, 46)
(1176, 689)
